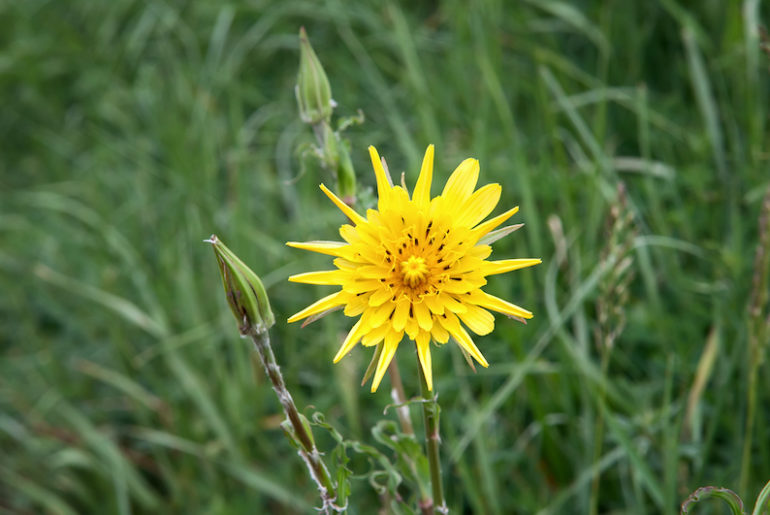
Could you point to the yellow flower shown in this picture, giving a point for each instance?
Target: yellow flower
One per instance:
(416, 266)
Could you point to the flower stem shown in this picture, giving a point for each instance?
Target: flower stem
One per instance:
(430, 413)
(307, 449)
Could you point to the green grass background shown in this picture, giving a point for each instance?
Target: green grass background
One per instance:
(131, 130)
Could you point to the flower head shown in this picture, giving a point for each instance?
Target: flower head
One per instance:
(416, 266)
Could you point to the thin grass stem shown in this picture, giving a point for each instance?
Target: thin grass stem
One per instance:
(430, 413)
(599, 437)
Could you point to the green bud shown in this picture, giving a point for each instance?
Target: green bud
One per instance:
(314, 95)
(244, 291)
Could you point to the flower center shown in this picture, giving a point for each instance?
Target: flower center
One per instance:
(414, 270)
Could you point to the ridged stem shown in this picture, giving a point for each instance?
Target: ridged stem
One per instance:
(430, 413)
(307, 449)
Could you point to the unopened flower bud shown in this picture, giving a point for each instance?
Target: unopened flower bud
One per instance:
(245, 293)
(314, 95)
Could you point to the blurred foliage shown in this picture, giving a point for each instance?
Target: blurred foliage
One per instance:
(130, 131)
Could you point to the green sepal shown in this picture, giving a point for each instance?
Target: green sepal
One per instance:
(372, 364)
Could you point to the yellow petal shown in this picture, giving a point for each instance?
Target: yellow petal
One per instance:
(488, 301)
(331, 248)
(434, 304)
(384, 185)
(462, 338)
(451, 303)
(324, 277)
(379, 297)
(422, 313)
(421, 195)
(349, 211)
(463, 284)
(356, 304)
(423, 352)
(392, 339)
(375, 336)
(370, 271)
(350, 341)
(359, 285)
(381, 314)
(508, 265)
(478, 207)
(412, 328)
(401, 313)
(478, 320)
(439, 333)
(348, 265)
(330, 301)
(480, 251)
(466, 263)
(461, 183)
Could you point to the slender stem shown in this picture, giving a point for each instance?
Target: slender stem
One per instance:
(751, 403)
(430, 413)
(598, 438)
(308, 451)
